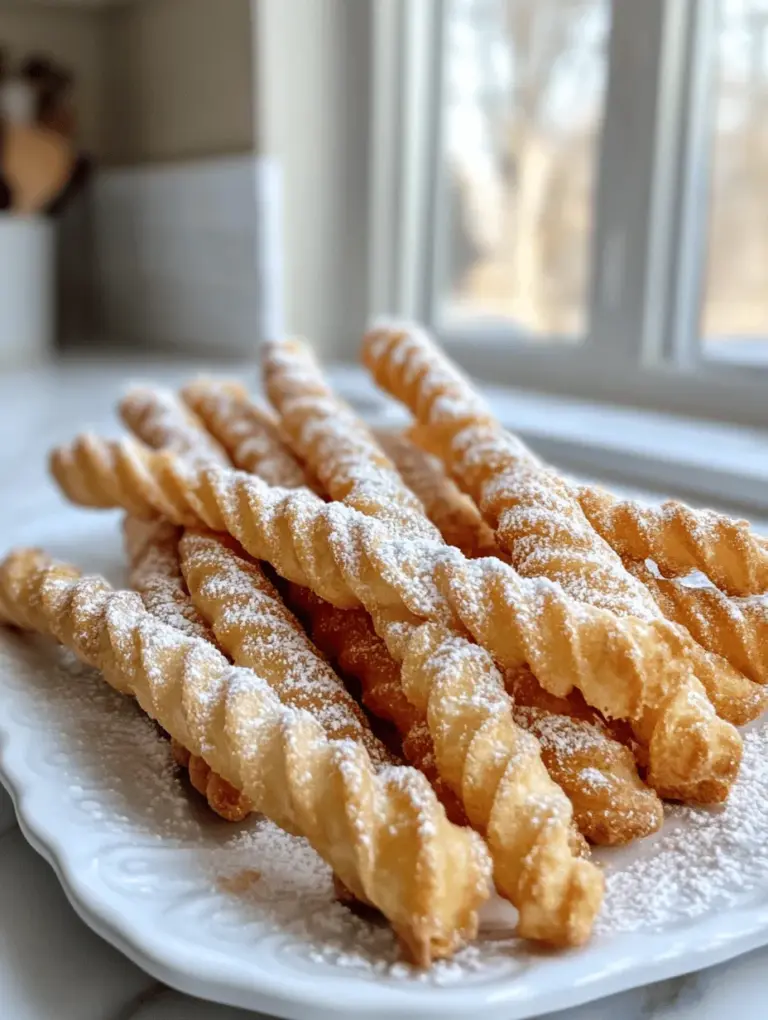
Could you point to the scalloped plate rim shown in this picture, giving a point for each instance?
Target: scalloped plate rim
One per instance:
(178, 964)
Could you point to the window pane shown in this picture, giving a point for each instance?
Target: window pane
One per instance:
(523, 89)
(735, 313)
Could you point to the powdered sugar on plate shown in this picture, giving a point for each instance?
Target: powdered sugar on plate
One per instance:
(248, 882)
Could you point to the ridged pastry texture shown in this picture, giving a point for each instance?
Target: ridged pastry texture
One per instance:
(158, 417)
(680, 539)
(451, 511)
(624, 666)
(252, 437)
(255, 628)
(611, 804)
(383, 833)
(154, 571)
(537, 519)
(735, 628)
(451, 681)
(161, 420)
(248, 431)
(349, 462)
(277, 525)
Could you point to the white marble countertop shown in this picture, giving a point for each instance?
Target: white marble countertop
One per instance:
(51, 965)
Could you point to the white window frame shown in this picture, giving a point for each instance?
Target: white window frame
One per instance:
(651, 211)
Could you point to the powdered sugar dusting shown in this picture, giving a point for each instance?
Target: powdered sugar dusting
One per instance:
(160, 419)
(249, 431)
(155, 572)
(252, 879)
(703, 859)
(260, 632)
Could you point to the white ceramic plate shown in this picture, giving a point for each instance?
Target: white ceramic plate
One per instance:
(244, 915)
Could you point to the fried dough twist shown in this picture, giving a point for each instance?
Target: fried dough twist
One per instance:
(349, 459)
(298, 534)
(441, 670)
(384, 834)
(161, 420)
(536, 517)
(611, 804)
(736, 628)
(451, 511)
(248, 431)
(623, 666)
(154, 572)
(257, 630)
(254, 441)
(679, 539)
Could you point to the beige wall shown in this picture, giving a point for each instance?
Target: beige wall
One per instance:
(179, 80)
(74, 37)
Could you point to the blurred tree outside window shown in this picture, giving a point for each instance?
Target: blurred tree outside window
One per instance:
(523, 94)
(735, 308)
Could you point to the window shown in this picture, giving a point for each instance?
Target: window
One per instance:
(522, 97)
(573, 194)
(735, 311)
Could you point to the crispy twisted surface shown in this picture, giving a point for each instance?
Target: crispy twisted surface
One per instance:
(575, 891)
(384, 834)
(257, 630)
(154, 572)
(624, 667)
(736, 628)
(679, 539)
(162, 421)
(349, 639)
(254, 441)
(331, 439)
(248, 431)
(534, 513)
(451, 511)
(256, 444)
(452, 682)
(611, 804)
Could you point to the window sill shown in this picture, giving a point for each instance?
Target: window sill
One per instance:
(703, 460)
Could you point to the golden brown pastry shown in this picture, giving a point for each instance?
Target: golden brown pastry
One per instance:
(536, 517)
(625, 667)
(384, 834)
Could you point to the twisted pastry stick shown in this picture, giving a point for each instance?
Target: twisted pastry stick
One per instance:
(253, 625)
(504, 782)
(253, 440)
(255, 443)
(611, 804)
(624, 667)
(161, 420)
(248, 431)
(354, 469)
(735, 628)
(329, 436)
(679, 539)
(384, 834)
(533, 512)
(348, 638)
(451, 511)
(154, 572)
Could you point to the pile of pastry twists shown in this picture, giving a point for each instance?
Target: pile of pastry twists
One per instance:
(425, 652)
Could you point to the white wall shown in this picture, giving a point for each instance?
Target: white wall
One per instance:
(179, 80)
